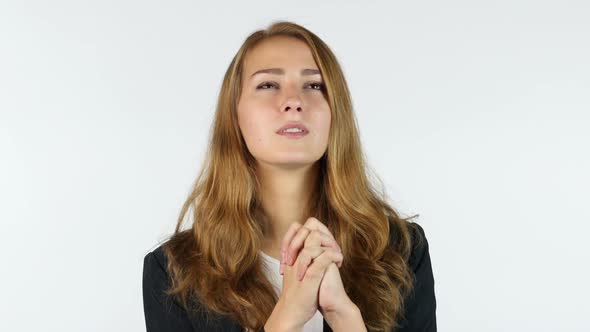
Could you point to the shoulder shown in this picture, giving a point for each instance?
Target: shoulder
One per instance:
(156, 261)
(164, 312)
(419, 256)
(417, 240)
(420, 247)
(156, 279)
(420, 305)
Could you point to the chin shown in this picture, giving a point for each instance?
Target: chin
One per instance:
(291, 159)
(294, 162)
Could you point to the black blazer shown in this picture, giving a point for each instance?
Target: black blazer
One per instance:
(165, 314)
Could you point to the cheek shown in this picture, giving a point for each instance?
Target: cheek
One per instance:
(324, 121)
(253, 123)
(326, 129)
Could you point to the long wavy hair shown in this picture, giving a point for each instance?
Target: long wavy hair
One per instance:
(215, 262)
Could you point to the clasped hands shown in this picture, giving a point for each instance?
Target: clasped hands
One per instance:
(310, 251)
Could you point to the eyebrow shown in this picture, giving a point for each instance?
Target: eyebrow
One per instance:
(281, 71)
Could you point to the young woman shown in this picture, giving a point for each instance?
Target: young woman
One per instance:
(287, 231)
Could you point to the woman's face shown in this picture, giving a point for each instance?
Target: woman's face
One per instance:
(291, 92)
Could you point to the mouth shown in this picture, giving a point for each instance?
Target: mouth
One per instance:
(293, 134)
(293, 129)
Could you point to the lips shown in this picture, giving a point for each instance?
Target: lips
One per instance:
(298, 125)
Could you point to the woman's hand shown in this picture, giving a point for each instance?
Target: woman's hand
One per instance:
(294, 241)
(299, 298)
(299, 245)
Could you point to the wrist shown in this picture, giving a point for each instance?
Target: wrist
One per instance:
(346, 318)
(280, 321)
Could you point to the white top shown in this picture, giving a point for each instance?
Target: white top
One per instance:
(273, 266)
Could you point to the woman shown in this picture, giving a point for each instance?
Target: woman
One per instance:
(287, 232)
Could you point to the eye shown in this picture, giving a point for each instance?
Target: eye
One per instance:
(266, 84)
(317, 86)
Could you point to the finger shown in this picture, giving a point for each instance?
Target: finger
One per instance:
(289, 235)
(318, 238)
(288, 256)
(339, 261)
(324, 240)
(314, 224)
(313, 239)
(285, 243)
(296, 244)
(305, 258)
(316, 270)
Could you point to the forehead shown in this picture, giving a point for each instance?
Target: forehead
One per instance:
(279, 52)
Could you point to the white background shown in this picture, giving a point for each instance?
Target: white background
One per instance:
(474, 114)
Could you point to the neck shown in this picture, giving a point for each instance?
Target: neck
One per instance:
(286, 195)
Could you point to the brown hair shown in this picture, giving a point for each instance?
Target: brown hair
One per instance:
(216, 261)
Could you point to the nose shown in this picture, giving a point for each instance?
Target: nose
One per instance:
(293, 103)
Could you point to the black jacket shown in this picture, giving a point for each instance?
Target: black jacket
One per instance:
(164, 314)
